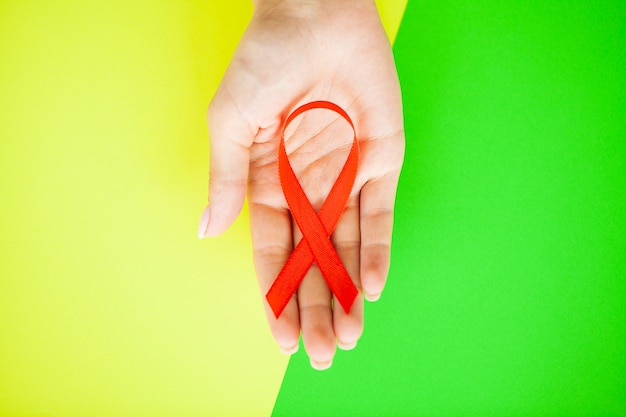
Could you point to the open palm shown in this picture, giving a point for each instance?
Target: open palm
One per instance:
(292, 53)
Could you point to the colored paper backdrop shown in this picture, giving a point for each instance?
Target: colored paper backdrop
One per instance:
(507, 292)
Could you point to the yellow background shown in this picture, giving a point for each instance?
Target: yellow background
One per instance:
(109, 304)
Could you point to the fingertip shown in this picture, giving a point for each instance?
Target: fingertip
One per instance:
(372, 297)
(318, 336)
(321, 366)
(374, 273)
(222, 211)
(204, 222)
(346, 346)
(289, 350)
(287, 335)
(349, 326)
(286, 328)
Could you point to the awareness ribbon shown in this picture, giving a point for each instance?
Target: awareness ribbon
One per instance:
(316, 228)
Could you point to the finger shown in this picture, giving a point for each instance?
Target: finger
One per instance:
(230, 140)
(377, 201)
(346, 239)
(316, 320)
(272, 243)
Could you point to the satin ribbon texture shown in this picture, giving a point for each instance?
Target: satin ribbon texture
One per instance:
(316, 228)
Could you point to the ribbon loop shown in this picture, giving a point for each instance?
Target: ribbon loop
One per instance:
(316, 228)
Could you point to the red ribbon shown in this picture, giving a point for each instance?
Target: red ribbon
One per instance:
(316, 228)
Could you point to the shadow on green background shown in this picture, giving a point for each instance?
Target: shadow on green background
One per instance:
(507, 292)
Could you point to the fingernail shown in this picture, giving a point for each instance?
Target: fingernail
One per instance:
(321, 366)
(346, 346)
(372, 297)
(289, 351)
(204, 222)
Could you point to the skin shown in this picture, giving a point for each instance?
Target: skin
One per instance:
(293, 52)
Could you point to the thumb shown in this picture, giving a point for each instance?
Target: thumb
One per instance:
(230, 138)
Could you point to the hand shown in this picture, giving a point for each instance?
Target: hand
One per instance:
(294, 52)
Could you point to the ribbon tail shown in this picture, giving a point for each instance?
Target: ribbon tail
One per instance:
(289, 278)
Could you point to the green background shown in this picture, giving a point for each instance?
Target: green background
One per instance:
(507, 291)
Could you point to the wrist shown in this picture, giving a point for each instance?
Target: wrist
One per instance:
(303, 8)
(290, 7)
